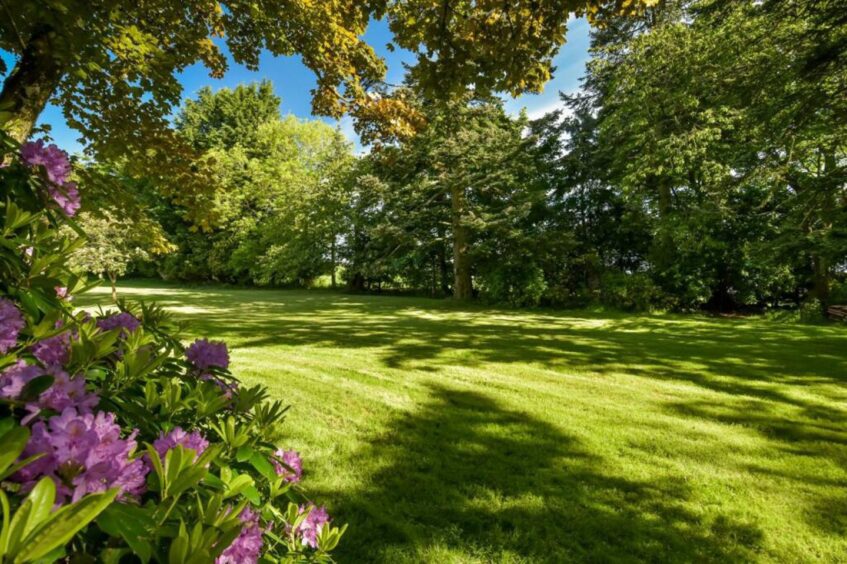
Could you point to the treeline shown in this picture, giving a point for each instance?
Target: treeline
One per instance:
(702, 165)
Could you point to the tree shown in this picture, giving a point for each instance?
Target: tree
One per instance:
(463, 181)
(112, 244)
(723, 120)
(280, 192)
(112, 65)
(227, 118)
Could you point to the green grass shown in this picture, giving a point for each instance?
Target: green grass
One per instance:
(467, 434)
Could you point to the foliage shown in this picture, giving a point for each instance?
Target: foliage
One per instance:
(112, 244)
(112, 65)
(281, 193)
(687, 173)
(108, 420)
(459, 193)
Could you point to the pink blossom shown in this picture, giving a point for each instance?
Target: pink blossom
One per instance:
(64, 392)
(11, 323)
(66, 197)
(205, 354)
(53, 350)
(54, 160)
(247, 547)
(291, 467)
(194, 440)
(58, 167)
(14, 378)
(312, 526)
(125, 321)
(83, 453)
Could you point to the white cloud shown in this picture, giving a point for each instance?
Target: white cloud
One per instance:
(345, 126)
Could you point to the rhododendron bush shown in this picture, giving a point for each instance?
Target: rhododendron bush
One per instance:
(116, 442)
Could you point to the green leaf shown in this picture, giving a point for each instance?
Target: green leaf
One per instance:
(238, 485)
(13, 443)
(252, 494)
(62, 525)
(31, 513)
(42, 497)
(131, 523)
(35, 387)
(263, 465)
(179, 547)
(20, 464)
(244, 453)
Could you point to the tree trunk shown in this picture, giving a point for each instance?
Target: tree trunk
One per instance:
(444, 270)
(113, 279)
(32, 82)
(433, 291)
(462, 282)
(332, 260)
(820, 280)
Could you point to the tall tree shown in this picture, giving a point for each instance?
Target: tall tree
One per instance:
(281, 191)
(462, 180)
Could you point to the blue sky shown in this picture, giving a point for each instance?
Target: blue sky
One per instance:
(293, 81)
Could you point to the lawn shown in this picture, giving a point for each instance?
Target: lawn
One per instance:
(467, 434)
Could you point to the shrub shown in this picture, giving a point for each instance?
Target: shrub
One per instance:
(114, 439)
(517, 285)
(811, 311)
(633, 292)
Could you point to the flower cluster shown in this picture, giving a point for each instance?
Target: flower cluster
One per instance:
(11, 323)
(64, 392)
(247, 547)
(58, 167)
(124, 321)
(312, 526)
(291, 467)
(53, 351)
(194, 440)
(204, 354)
(83, 453)
(79, 399)
(14, 378)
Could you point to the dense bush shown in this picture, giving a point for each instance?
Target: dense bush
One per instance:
(633, 292)
(514, 284)
(114, 439)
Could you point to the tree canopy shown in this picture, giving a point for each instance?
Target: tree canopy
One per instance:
(112, 64)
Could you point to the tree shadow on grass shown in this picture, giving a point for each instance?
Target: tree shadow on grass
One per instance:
(465, 479)
(754, 360)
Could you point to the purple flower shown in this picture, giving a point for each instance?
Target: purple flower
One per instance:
(62, 293)
(65, 392)
(53, 350)
(177, 436)
(312, 526)
(66, 197)
(125, 321)
(55, 161)
(14, 378)
(247, 547)
(83, 453)
(291, 467)
(228, 388)
(204, 354)
(11, 323)
(51, 157)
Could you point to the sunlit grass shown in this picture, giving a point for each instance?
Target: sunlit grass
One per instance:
(467, 434)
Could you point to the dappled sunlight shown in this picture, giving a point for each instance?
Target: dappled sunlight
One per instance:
(466, 433)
